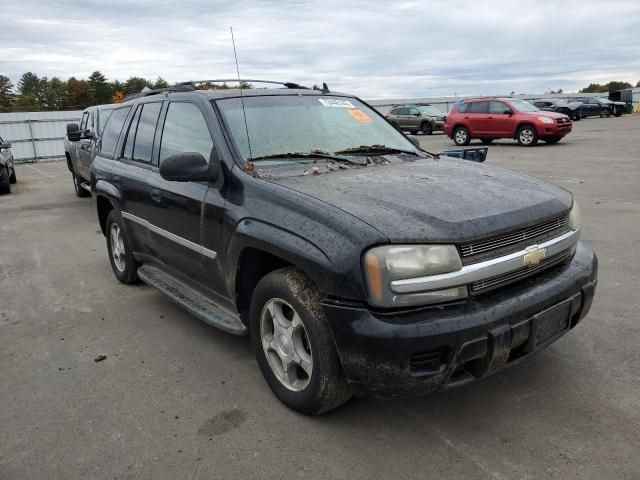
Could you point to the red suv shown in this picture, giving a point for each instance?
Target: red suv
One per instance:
(491, 118)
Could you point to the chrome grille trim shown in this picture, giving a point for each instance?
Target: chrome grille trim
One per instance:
(487, 269)
(500, 280)
(529, 233)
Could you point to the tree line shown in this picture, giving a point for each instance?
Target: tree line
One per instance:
(35, 94)
(607, 87)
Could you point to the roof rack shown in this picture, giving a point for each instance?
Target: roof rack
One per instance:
(240, 80)
(189, 86)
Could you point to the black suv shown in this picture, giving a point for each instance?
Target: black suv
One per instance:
(357, 262)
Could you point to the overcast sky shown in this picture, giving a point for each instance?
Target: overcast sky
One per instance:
(380, 49)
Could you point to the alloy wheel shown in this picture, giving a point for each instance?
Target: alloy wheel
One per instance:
(117, 247)
(526, 136)
(286, 345)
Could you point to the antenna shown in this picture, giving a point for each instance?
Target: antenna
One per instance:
(244, 113)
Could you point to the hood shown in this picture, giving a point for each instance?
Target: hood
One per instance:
(446, 200)
(545, 113)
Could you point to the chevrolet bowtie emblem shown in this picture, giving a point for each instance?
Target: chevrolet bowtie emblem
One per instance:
(534, 256)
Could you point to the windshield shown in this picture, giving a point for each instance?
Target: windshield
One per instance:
(522, 106)
(305, 123)
(428, 109)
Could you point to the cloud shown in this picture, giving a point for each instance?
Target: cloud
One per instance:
(373, 49)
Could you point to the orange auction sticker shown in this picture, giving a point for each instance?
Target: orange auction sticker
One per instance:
(359, 115)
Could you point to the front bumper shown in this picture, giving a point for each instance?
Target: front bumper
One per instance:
(554, 129)
(419, 352)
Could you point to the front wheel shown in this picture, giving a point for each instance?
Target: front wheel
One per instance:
(461, 136)
(575, 116)
(12, 177)
(5, 183)
(427, 128)
(80, 192)
(294, 345)
(124, 266)
(527, 136)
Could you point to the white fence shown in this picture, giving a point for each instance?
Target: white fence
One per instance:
(36, 136)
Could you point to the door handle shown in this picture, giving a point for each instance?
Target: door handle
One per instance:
(467, 117)
(490, 118)
(156, 195)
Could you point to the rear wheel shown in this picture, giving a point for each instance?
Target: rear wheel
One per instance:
(427, 128)
(552, 140)
(80, 192)
(124, 266)
(487, 141)
(5, 184)
(527, 136)
(461, 136)
(294, 345)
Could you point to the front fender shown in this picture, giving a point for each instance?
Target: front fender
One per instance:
(281, 243)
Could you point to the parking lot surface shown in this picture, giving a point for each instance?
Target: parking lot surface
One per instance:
(177, 399)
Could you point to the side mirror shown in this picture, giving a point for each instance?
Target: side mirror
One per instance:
(188, 167)
(413, 139)
(73, 132)
(417, 114)
(507, 112)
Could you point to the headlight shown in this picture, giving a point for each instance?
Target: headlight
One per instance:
(545, 119)
(384, 264)
(574, 217)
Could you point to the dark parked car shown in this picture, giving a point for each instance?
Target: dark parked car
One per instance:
(415, 118)
(7, 170)
(357, 262)
(601, 107)
(504, 117)
(80, 145)
(573, 110)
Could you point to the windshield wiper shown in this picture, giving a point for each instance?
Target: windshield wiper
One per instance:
(311, 154)
(380, 149)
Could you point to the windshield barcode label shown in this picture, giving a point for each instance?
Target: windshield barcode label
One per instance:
(334, 102)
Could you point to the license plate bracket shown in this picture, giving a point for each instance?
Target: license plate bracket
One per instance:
(549, 324)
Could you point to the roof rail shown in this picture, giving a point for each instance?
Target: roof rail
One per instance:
(156, 91)
(240, 80)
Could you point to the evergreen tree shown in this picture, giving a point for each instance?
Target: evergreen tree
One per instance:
(6, 94)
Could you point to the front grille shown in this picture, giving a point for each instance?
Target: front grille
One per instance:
(524, 234)
(562, 120)
(510, 277)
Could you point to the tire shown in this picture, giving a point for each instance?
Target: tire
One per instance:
(427, 128)
(12, 177)
(5, 183)
(552, 140)
(575, 116)
(80, 192)
(527, 136)
(288, 294)
(617, 111)
(461, 136)
(124, 266)
(413, 132)
(487, 141)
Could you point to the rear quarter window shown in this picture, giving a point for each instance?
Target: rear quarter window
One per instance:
(463, 107)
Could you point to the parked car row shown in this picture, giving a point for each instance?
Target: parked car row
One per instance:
(581, 107)
(357, 262)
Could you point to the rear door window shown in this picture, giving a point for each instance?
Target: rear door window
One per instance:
(414, 111)
(479, 107)
(463, 107)
(112, 131)
(131, 135)
(139, 143)
(185, 130)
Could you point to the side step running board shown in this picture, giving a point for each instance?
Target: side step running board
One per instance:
(195, 302)
(86, 186)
